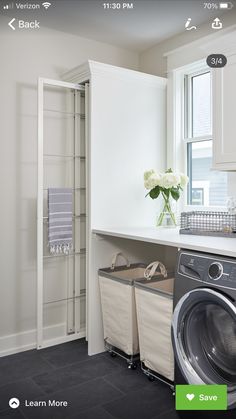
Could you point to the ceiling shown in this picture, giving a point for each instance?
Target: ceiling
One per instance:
(148, 23)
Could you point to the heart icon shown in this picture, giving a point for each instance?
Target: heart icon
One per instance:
(190, 397)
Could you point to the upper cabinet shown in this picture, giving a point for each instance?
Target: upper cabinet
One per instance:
(224, 115)
(127, 135)
(224, 104)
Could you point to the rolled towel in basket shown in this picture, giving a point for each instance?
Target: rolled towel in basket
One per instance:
(60, 235)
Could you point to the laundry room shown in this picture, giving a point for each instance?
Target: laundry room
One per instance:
(118, 209)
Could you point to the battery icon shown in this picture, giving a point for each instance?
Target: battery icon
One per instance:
(227, 5)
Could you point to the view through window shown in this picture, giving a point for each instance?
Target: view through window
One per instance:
(206, 186)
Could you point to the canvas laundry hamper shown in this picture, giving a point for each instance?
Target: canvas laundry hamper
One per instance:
(154, 302)
(118, 304)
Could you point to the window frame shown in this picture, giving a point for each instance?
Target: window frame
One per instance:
(188, 121)
(179, 132)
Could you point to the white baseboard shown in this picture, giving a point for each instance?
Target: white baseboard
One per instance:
(20, 342)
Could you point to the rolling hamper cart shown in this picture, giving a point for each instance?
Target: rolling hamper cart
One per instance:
(154, 303)
(119, 309)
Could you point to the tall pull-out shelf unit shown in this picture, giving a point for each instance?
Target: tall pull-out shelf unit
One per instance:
(126, 112)
(61, 279)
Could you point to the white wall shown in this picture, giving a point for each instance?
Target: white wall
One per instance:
(24, 58)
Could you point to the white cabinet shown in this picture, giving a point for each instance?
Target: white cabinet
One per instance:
(224, 119)
(127, 135)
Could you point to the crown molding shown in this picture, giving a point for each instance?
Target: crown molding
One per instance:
(205, 42)
(78, 74)
(86, 71)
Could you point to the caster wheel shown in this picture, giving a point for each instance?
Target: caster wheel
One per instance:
(113, 355)
(151, 378)
(132, 366)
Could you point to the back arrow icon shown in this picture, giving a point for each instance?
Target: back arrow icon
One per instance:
(10, 24)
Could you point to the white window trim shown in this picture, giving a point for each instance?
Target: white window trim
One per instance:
(176, 141)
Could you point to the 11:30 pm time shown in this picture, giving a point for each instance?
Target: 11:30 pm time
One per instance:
(118, 6)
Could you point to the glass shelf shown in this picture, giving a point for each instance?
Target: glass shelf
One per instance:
(72, 156)
(73, 216)
(73, 189)
(81, 252)
(81, 115)
(82, 295)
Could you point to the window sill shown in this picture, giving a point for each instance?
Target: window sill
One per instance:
(188, 208)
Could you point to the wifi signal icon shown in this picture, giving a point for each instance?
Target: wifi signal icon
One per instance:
(46, 5)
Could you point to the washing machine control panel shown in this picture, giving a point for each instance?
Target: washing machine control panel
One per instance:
(215, 271)
(212, 270)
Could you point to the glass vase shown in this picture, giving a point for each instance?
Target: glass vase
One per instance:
(167, 217)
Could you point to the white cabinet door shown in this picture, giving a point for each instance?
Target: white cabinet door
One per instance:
(224, 116)
(127, 135)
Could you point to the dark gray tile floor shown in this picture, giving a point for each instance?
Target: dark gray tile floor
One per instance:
(98, 387)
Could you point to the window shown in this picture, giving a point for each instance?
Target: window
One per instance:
(206, 187)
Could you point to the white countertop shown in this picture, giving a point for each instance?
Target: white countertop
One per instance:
(171, 237)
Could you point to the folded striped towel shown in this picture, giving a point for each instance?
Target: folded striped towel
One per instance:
(60, 220)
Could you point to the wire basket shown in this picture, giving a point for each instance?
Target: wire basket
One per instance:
(208, 223)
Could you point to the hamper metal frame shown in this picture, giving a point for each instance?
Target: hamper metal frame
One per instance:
(154, 375)
(131, 359)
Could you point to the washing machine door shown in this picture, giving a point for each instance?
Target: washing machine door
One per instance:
(204, 339)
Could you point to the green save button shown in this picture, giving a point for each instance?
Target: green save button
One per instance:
(201, 397)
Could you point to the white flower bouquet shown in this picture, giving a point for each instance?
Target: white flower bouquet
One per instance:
(168, 185)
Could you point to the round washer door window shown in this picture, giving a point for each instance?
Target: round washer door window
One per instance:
(204, 338)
